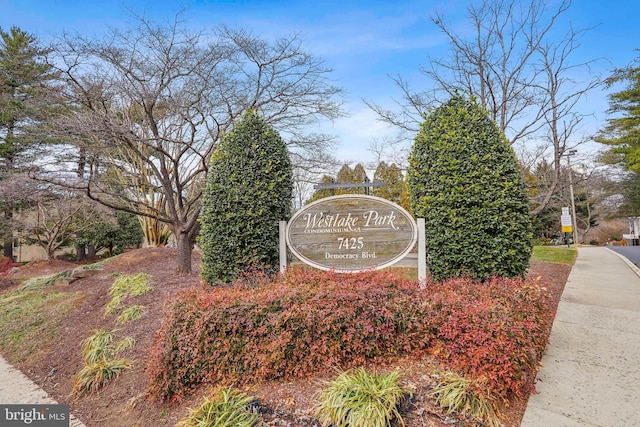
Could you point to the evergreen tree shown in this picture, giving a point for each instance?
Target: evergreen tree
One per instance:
(24, 77)
(359, 176)
(464, 180)
(248, 190)
(622, 134)
(622, 131)
(631, 192)
(321, 194)
(344, 176)
(113, 232)
(396, 186)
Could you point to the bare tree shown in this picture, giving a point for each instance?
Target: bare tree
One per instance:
(498, 65)
(53, 222)
(304, 181)
(16, 189)
(389, 150)
(139, 179)
(157, 98)
(309, 167)
(560, 119)
(517, 67)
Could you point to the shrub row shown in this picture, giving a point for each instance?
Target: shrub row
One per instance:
(307, 321)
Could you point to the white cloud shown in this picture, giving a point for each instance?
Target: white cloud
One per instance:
(356, 133)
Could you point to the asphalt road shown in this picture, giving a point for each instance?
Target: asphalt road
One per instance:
(632, 253)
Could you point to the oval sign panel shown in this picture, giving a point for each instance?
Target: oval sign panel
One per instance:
(351, 233)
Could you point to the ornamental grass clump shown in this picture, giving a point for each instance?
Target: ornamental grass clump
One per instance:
(43, 282)
(92, 377)
(128, 285)
(97, 347)
(225, 408)
(130, 314)
(467, 397)
(361, 399)
(98, 352)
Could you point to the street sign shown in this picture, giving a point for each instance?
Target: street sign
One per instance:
(565, 221)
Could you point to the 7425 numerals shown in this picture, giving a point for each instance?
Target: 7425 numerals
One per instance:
(350, 243)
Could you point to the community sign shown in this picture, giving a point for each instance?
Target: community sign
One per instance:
(351, 233)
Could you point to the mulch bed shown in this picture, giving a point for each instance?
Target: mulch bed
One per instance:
(123, 402)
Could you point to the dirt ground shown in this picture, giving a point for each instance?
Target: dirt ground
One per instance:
(123, 402)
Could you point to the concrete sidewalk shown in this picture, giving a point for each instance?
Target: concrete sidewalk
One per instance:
(591, 371)
(16, 388)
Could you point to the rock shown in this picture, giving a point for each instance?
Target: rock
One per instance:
(64, 281)
(80, 273)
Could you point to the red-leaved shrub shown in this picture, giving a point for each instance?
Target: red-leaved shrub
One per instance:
(307, 321)
(494, 331)
(6, 264)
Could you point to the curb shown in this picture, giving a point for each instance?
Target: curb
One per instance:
(631, 265)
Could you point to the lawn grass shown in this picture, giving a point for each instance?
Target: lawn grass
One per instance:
(556, 254)
(43, 282)
(31, 320)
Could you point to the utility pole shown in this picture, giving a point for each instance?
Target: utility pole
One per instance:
(573, 204)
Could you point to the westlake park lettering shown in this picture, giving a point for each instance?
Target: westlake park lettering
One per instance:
(321, 223)
(351, 233)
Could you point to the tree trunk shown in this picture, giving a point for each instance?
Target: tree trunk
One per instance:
(8, 248)
(8, 242)
(8, 213)
(81, 253)
(91, 251)
(184, 253)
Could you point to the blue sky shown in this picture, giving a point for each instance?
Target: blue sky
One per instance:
(364, 41)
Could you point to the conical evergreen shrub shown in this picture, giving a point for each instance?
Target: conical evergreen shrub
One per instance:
(248, 190)
(464, 179)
